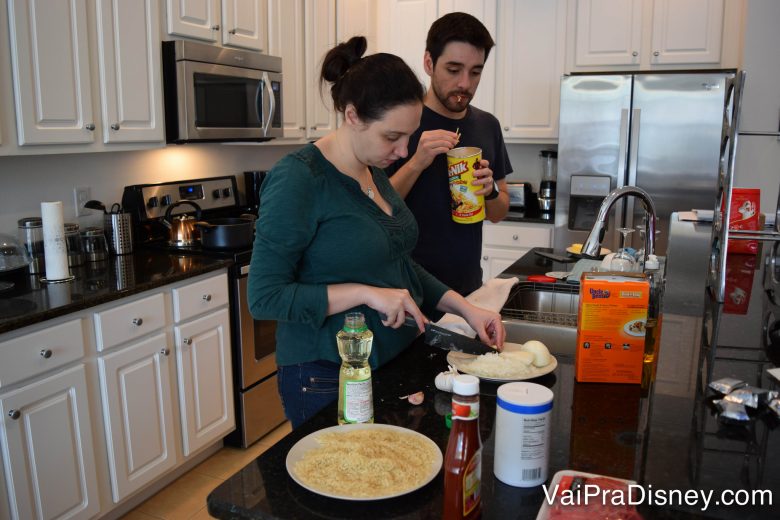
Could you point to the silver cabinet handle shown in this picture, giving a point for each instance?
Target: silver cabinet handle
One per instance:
(514, 237)
(187, 341)
(313, 128)
(301, 128)
(656, 53)
(207, 297)
(506, 129)
(165, 351)
(138, 322)
(232, 31)
(635, 53)
(115, 126)
(485, 258)
(14, 414)
(215, 27)
(46, 353)
(90, 126)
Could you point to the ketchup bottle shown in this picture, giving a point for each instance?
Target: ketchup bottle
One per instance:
(463, 461)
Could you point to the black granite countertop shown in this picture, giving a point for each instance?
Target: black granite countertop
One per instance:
(667, 437)
(31, 301)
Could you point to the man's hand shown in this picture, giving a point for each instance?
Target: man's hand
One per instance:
(483, 177)
(433, 143)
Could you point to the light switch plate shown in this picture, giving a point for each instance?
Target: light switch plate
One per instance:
(81, 195)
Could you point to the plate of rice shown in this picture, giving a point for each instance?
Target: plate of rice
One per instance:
(509, 365)
(364, 461)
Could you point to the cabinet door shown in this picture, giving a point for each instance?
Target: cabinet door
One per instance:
(686, 31)
(497, 260)
(48, 450)
(51, 76)
(205, 380)
(529, 67)
(244, 24)
(320, 31)
(485, 12)
(357, 18)
(403, 28)
(194, 18)
(608, 32)
(286, 39)
(137, 407)
(130, 79)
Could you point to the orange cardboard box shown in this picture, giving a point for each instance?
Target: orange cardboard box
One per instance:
(611, 327)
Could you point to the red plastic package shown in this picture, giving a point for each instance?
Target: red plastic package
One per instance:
(745, 211)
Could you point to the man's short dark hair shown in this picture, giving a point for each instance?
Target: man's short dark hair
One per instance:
(457, 27)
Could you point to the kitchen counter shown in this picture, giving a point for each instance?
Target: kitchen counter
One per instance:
(98, 282)
(666, 438)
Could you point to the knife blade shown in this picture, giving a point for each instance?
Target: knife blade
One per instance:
(445, 339)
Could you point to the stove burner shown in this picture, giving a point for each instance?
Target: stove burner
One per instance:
(13, 307)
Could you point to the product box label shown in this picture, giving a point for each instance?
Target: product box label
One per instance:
(745, 210)
(611, 327)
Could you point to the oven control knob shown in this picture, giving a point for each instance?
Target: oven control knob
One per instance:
(215, 193)
(166, 200)
(226, 192)
(153, 202)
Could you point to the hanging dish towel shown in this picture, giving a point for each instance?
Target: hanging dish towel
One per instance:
(492, 296)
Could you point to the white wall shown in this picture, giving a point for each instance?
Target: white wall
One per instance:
(25, 181)
(758, 158)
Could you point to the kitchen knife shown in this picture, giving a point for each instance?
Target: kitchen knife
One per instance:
(557, 258)
(445, 339)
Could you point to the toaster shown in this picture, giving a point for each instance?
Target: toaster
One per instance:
(519, 194)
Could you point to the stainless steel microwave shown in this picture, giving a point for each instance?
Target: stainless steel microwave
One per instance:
(217, 94)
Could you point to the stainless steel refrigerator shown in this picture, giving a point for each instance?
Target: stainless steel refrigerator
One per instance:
(660, 132)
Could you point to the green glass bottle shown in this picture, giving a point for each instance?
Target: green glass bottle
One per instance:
(356, 401)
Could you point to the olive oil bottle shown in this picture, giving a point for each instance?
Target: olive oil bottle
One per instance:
(356, 401)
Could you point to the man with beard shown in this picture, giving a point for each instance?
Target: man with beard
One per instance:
(455, 52)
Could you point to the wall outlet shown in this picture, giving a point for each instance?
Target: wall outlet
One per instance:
(80, 196)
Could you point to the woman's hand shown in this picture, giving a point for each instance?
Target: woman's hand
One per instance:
(395, 304)
(488, 325)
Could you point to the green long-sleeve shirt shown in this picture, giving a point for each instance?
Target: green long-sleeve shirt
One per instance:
(317, 228)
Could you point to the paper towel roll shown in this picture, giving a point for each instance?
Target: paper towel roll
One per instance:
(54, 248)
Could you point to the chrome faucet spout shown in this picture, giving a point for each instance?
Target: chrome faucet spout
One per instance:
(592, 245)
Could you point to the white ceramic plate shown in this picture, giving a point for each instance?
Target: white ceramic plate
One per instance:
(544, 511)
(460, 360)
(627, 328)
(310, 442)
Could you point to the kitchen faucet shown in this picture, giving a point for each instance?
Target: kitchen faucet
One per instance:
(592, 245)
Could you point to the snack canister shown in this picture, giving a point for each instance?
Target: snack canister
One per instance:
(467, 207)
(522, 434)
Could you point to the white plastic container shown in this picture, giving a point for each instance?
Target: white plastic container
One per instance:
(522, 434)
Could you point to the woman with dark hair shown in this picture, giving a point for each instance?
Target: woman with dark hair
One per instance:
(334, 237)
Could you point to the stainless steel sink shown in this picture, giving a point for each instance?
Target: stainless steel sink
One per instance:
(545, 312)
(559, 339)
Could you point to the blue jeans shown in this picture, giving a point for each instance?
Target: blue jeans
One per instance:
(306, 388)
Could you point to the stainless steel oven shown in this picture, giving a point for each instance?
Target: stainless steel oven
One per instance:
(258, 403)
(218, 94)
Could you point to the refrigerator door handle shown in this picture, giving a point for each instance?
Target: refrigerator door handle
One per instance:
(636, 114)
(622, 148)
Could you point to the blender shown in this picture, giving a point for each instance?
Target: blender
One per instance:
(547, 185)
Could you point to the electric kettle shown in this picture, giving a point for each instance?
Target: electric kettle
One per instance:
(181, 227)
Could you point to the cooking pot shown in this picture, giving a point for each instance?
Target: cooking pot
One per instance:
(227, 233)
(182, 227)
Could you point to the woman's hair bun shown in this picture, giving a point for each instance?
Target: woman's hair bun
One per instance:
(340, 58)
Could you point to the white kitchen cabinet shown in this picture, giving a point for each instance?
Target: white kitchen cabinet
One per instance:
(530, 60)
(235, 23)
(205, 380)
(48, 449)
(301, 32)
(130, 72)
(653, 34)
(137, 392)
(505, 242)
(52, 71)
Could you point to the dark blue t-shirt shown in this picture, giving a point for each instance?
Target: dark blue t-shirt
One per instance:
(446, 249)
